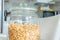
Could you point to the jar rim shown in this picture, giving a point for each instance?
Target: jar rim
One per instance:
(22, 16)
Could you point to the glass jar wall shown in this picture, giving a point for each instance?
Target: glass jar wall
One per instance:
(24, 28)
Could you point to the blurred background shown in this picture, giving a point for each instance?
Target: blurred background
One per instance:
(46, 10)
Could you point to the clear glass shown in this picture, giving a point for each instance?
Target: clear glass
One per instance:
(24, 28)
(24, 9)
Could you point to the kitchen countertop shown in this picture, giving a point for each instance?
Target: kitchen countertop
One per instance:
(3, 37)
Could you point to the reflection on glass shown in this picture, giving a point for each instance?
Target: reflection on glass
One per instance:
(49, 13)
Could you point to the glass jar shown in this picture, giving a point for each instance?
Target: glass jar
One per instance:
(24, 28)
(24, 9)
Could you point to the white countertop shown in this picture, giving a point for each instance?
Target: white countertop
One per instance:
(3, 37)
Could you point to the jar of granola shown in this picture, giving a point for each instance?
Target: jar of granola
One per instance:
(24, 28)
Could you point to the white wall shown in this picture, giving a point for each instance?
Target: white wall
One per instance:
(48, 27)
(56, 6)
